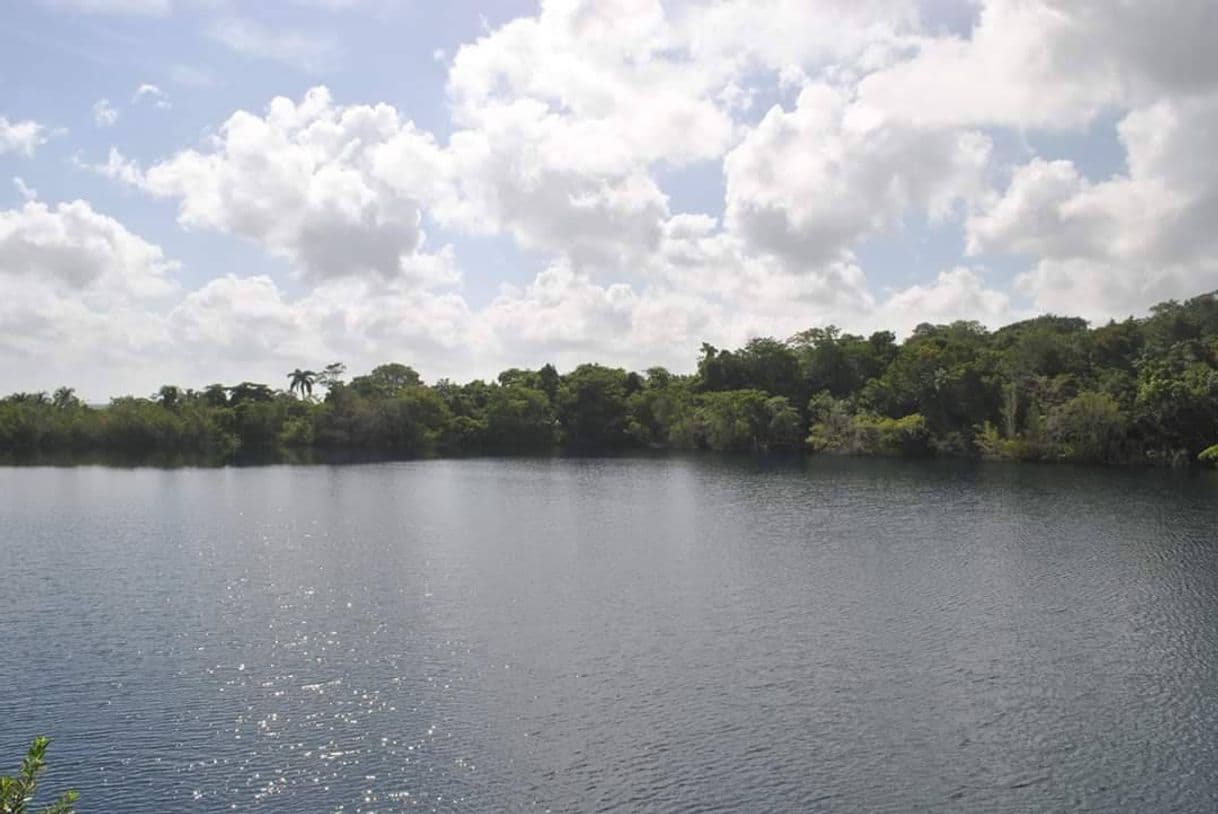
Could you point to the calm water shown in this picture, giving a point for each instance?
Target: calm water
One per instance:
(670, 634)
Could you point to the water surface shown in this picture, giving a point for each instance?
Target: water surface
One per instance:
(677, 633)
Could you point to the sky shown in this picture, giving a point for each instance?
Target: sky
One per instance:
(197, 191)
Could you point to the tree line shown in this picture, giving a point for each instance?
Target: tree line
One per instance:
(1143, 390)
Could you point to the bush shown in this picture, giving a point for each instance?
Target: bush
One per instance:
(842, 434)
(1088, 428)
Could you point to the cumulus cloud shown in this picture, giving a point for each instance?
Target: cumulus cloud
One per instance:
(22, 137)
(49, 337)
(76, 247)
(613, 73)
(561, 117)
(243, 326)
(1115, 246)
(960, 293)
(808, 183)
(848, 36)
(1051, 63)
(335, 190)
(76, 293)
(562, 309)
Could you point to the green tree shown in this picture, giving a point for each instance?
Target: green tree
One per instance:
(169, 396)
(592, 408)
(1088, 427)
(785, 425)
(518, 418)
(65, 399)
(1177, 404)
(331, 376)
(386, 381)
(302, 382)
(549, 381)
(249, 392)
(734, 419)
(215, 395)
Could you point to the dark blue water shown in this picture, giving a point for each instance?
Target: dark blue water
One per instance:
(678, 634)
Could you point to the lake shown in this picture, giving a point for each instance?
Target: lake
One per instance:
(672, 633)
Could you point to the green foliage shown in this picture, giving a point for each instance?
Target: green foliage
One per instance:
(1177, 402)
(592, 408)
(386, 381)
(410, 421)
(297, 432)
(841, 364)
(247, 392)
(734, 419)
(1088, 428)
(1050, 388)
(784, 425)
(835, 430)
(518, 418)
(17, 793)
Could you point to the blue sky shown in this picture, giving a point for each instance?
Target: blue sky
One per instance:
(465, 186)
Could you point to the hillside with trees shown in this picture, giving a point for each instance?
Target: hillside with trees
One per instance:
(1141, 391)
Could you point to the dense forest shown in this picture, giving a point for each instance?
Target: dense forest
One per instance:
(1046, 389)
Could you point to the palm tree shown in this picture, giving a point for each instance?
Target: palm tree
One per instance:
(302, 382)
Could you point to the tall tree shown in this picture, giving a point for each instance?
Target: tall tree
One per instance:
(302, 382)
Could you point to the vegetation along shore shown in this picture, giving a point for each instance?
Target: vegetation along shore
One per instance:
(1141, 391)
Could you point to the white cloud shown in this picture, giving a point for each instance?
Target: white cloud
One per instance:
(562, 309)
(508, 182)
(22, 137)
(50, 336)
(808, 183)
(78, 293)
(561, 118)
(310, 52)
(782, 35)
(75, 247)
(1052, 63)
(242, 319)
(1116, 246)
(152, 94)
(606, 83)
(335, 190)
(243, 327)
(957, 294)
(26, 192)
(104, 113)
(117, 168)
